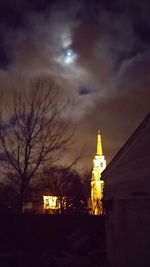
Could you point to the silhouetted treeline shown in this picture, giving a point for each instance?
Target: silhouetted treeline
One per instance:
(57, 181)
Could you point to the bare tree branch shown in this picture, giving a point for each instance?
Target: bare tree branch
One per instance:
(36, 133)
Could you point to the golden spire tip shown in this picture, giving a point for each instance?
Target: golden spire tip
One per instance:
(99, 144)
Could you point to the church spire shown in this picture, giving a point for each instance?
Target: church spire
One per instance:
(99, 144)
(97, 185)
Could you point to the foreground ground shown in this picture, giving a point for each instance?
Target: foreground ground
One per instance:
(58, 241)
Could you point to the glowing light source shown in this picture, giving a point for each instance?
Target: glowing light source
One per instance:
(53, 203)
(69, 56)
(97, 185)
(69, 53)
(66, 57)
(50, 202)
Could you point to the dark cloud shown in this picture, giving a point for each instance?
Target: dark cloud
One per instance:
(83, 90)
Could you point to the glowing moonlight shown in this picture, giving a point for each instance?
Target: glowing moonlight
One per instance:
(67, 57)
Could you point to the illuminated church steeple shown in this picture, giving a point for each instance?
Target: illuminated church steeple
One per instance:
(97, 185)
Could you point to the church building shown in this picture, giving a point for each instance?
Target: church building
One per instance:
(97, 185)
(52, 204)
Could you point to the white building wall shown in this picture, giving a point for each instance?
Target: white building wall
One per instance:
(127, 202)
(128, 233)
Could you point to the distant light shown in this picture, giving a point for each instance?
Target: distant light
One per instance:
(67, 57)
(50, 202)
(69, 53)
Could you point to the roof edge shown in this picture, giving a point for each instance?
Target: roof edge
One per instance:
(129, 142)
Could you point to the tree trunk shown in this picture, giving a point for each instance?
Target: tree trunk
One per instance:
(21, 202)
(61, 205)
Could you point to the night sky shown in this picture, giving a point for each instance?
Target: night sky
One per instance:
(98, 50)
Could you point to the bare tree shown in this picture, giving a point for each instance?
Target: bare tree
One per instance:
(35, 135)
(66, 184)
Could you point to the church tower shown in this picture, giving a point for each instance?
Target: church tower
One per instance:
(97, 185)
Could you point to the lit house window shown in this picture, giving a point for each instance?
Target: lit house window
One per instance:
(50, 202)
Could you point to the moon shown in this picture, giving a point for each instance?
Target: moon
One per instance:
(69, 56)
(66, 57)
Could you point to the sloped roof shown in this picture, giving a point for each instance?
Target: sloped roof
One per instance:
(133, 141)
